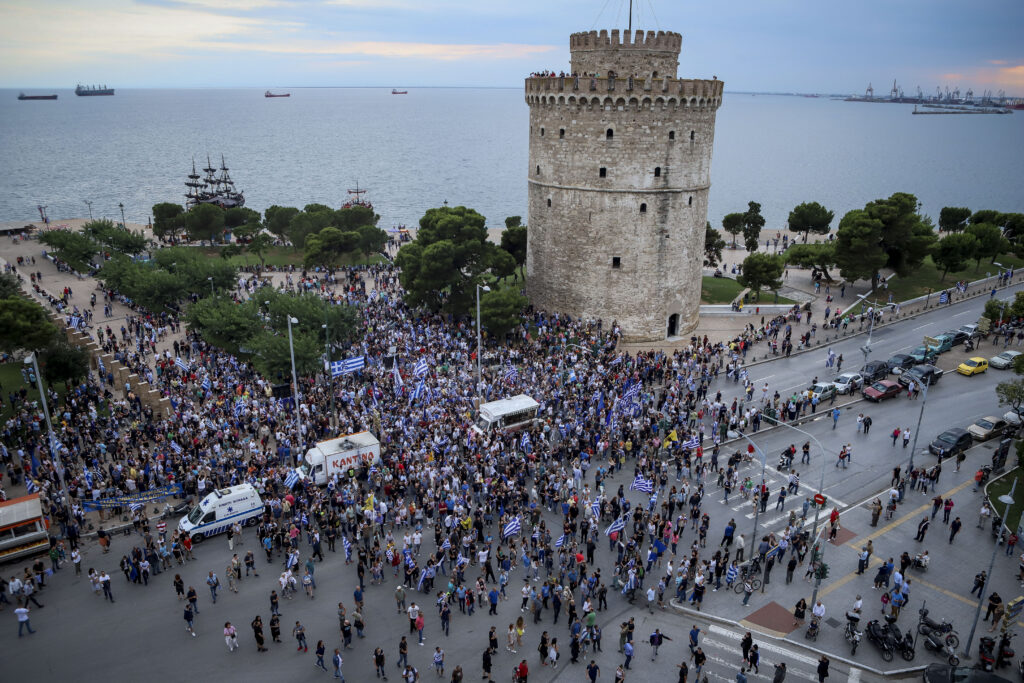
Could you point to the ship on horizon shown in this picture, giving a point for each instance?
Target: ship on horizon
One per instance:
(93, 90)
(213, 188)
(23, 96)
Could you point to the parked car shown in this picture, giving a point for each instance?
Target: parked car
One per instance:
(921, 374)
(900, 362)
(1003, 360)
(881, 390)
(1013, 418)
(848, 382)
(823, 391)
(923, 354)
(959, 336)
(971, 329)
(973, 366)
(874, 370)
(987, 428)
(946, 673)
(951, 442)
(945, 342)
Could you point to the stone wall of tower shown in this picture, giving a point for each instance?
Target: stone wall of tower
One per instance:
(629, 245)
(650, 55)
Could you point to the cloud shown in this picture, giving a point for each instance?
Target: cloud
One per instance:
(399, 50)
(998, 62)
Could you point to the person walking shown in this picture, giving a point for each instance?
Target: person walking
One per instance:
(745, 645)
(320, 650)
(954, 528)
(299, 631)
(257, 632)
(22, 612)
(230, 636)
(657, 639)
(780, 673)
(189, 619)
(439, 661)
(214, 583)
(922, 529)
(337, 661)
(378, 663)
(822, 669)
(627, 649)
(836, 412)
(107, 593)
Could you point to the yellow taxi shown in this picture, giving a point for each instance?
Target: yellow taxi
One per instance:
(973, 366)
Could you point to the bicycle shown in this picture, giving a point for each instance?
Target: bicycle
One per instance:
(755, 584)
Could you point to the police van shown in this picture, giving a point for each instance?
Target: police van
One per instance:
(220, 510)
(518, 412)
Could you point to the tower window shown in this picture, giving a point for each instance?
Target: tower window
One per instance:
(643, 208)
(549, 203)
(657, 171)
(602, 172)
(689, 202)
(671, 135)
(693, 134)
(561, 133)
(542, 132)
(616, 262)
(609, 134)
(538, 170)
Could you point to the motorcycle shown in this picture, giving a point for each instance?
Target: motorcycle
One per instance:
(990, 658)
(968, 345)
(851, 633)
(878, 634)
(920, 562)
(933, 643)
(926, 626)
(901, 642)
(785, 462)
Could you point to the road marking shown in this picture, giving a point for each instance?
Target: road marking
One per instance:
(922, 326)
(763, 646)
(854, 676)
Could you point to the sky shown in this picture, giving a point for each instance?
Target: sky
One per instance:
(752, 45)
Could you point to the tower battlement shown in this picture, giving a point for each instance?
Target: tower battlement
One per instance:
(651, 40)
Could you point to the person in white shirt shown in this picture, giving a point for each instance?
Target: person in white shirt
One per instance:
(818, 610)
(23, 621)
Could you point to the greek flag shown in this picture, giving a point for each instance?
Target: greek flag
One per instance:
(181, 364)
(348, 545)
(239, 404)
(31, 485)
(397, 374)
(337, 368)
(460, 560)
(595, 507)
(418, 391)
(632, 391)
(292, 479)
(615, 362)
(536, 534)
(692, 443)
(525, 443)
(944, 298)
(390, 555)
(350, 365)
(512, 528)
(511, 374)
(408, 558)
(175, 447)
(641, 484)
(74, 321)
(206, 384)
(618, 525)
(135, 507)
(421, 368)
(447, 545)
(560, 542)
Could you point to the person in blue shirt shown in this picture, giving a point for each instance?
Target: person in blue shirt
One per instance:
(628, 650)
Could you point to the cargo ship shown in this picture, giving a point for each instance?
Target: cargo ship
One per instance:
(93, 90)
(270, 94)
(23, 96)
(399, 92)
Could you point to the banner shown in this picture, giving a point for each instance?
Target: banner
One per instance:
(125, 501)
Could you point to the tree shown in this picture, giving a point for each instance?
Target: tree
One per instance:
(271, 354)
(503, 264)
(238, 216)
(1011, 393)
(985, 216)
(353, 217)
(732, 223)
(810, 217)
(501, 309)
(9, 286)
(222, 322)
(204, 222)
(259, 244)
(316, 208)
(167, 219)
(448, 258)
(229, 251)
(305, 224)
(328, 247)
(991, 242)
(906, 236)
(998, 311)
(278, 218)
(24, 325)
(818, 255)
(858, 252)
(761, 270)
(513, 240)
(513, 221)
(713, 246)
(953, 218)
(1013, 226)
(64, 362)
(114, 237)
(753, 221)
(371, 239)
(72, 247)
(953, 252)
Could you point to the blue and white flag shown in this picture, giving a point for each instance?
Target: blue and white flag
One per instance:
(390, 555)
(175, 447)
(348, 546)
(536, 534)
(641, 484)
(181, 364)
(292, 479)
(421, 368)
(135, 507)
(511, 374)
(337, 368)
(595, 507)
(418, 392)
(525, 444)
(618, 525)
(632, 391)
(512, 528)
(74, 321)
(206, 384)
(239, 405)
(350, 365)
(31, 485)
(447, 545)
(397, 374)
(944, 298)
(692, 443)
(560, 541)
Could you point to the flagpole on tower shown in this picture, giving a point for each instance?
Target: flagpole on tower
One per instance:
(630, 16)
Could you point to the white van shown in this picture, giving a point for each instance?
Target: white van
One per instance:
(513, 413)
(337, 456)
(220, 510)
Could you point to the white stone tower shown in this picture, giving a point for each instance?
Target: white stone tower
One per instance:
(620, 168)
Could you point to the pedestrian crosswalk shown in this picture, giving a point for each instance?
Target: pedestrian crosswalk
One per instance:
(722, 647)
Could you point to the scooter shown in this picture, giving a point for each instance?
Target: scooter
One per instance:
(933, 643)
(990, 658)
(785, 462)
(926, 626)
(851, 633)
(901, 642)
(878, 634)
(919, 563)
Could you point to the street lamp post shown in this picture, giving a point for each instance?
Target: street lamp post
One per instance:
(295, 391)
(917, 430)
(123, 224)
(479, 348)
(88, 202)
(54, 450)
(757, 508)
(330, 371)
(1006, 498)
(210, 279)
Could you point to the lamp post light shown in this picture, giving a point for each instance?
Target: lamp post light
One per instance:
(295, 390)
(1006, 498)
(88, 202)
(917, 430)
(757, 508)
(123, 224)
(479, 348)
(52, 438)
(330, 371)
(210, 279)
